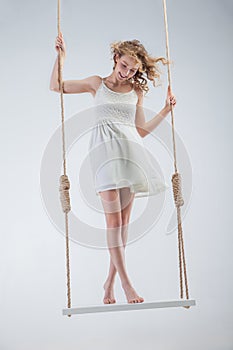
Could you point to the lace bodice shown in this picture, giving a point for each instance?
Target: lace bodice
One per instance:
(116, 106)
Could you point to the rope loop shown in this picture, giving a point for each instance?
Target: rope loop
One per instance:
(176, 184)
(64, 193)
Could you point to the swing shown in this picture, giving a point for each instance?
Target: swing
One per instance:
(66, 207)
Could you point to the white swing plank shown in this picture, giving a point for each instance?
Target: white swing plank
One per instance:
(128, 307)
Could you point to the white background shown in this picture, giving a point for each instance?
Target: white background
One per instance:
(32, 256)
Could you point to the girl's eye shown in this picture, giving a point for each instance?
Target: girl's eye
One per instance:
(132, 70)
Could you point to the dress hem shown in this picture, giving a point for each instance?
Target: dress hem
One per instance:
(138, 193)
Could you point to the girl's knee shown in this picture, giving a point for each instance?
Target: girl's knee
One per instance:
(114, 220)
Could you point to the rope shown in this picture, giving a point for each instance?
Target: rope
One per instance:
(176, 180)
(64, 181)
(64, 193)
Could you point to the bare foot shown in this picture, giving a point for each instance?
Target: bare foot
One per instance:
(131, 295)
(109, 295)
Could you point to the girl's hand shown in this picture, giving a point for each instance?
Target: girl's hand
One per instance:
(60, 43)
(170, 100)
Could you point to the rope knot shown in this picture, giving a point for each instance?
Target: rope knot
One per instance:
(64, 193)
(176, 184)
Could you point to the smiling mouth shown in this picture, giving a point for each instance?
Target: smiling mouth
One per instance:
(121, 75)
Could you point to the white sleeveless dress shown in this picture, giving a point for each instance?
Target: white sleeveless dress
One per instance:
(117, 155)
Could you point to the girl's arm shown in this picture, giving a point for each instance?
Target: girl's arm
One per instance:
(54, 83)
(72, 86)
(69, 86)
(144, 128)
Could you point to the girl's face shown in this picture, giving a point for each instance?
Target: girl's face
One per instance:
(125, 67)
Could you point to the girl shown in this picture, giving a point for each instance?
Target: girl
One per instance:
(119, 97)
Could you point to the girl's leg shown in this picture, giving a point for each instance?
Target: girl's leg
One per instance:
(112, 208)
(126, 205)
(118, 207)
(126, 198)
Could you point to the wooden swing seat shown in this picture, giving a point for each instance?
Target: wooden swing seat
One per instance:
(128, 307)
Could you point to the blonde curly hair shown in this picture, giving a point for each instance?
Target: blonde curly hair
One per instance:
(148, 64)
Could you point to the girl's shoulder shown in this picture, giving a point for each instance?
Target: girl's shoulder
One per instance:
(95, 83)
